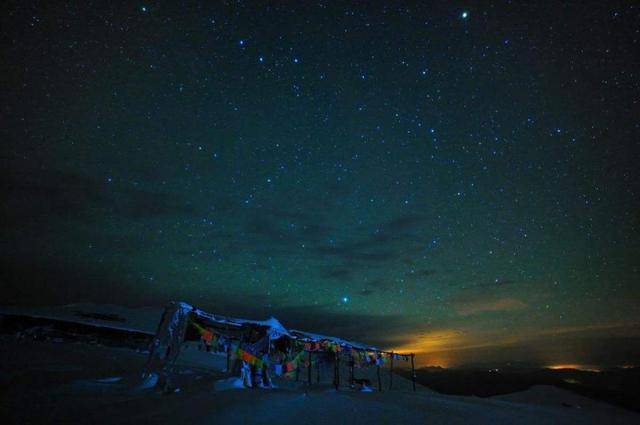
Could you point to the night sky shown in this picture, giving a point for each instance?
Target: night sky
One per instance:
(459, 179)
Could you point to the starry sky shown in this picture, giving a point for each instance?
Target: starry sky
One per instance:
(457, 179)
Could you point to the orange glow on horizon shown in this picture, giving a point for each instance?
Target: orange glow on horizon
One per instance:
(433, 348)
(586, 368)
(452, 347)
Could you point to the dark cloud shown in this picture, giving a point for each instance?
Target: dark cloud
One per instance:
(381, 245)
(35, 196)
(40, 195)
(289, 232)
(355, 254)
(381, 283)
(473, 306)
(370, 257)
(139, 204)
(403, 223)
(494, 284)
(285, 229)
(38, 281)
(259, 267)
(315, 231)
(292, 215)
(337, 273)
(219, 235)
(261, 226)
(408, 261)
(398, 229)
(420, 274)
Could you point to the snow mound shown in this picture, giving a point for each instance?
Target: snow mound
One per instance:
(110, 380)
(548, 395)
(149, 381)
(229, 384)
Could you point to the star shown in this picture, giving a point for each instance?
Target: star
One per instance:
(464, 15)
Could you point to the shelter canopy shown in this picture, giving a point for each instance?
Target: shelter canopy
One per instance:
(313, 337)
(274, 328)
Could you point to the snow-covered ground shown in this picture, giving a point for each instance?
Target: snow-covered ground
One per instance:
(143, 319)
(43, 382)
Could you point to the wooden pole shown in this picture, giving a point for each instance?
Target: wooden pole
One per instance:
(336, 378)
(413, 372)
(297, 368)
(379, 381)
(338, 355)
(391, 372)
(227, 341)
(351, 365)
(309, 369)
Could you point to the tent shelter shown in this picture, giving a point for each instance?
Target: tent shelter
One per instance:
(262, 346)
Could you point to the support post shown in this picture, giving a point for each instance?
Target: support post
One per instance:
(351, 366)
(309, 368)
(338, 363)
(335, 370)
(297, 369)
(228, 348)
(391, 372)
(166, 344)
(413, 372)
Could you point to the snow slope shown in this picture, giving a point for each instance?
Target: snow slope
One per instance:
(44, 382)
(129, 319)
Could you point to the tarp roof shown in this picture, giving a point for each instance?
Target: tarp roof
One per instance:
(309, 336)
(276, 329)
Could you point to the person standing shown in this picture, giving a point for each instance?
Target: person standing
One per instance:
(207, 339)
(266, 379)
(245, 375)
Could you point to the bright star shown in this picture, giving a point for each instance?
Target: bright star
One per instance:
(143, 8)
(345, 300)
(465, 15)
